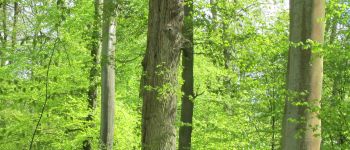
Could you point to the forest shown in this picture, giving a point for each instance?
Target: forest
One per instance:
(175, 74)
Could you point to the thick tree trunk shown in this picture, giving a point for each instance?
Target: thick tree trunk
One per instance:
(108, 74)
(312, 138)
(159, 85)
(93, 78)
(297, 76)
(187, 75)
(301, 125)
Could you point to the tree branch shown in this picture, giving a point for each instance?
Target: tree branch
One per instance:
(46, 95)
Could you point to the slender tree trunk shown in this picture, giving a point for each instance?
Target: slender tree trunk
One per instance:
(14, 27)
(159, 84)
(214, 13)
(93, 78)
(273, 118)
(273, 126)
(301, 125)
(333, 30)
(337, 90)
(337, 97)
(4, 32)
(108, 73)
(187, 75)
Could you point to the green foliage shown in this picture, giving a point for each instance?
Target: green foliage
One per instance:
(240, 67)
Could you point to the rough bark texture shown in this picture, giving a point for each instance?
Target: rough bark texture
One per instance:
(159, 85)
(187, 76)
(108, 74)
(301, 126)
(93, 77)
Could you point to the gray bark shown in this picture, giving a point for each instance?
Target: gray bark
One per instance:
(159, 85)
(304, 78)
(108, 74)
(187, 75)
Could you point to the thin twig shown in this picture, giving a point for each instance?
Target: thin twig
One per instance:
(46, 96)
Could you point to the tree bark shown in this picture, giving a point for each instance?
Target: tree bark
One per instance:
(187, 76)
(159, 84)
(93, 77)
(4, 32)
(14, 27)
(14, 30)
(301, 126)
(273, 117)
(214, 13)
(108, 74)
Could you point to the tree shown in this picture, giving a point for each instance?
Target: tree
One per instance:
(14, 26)
(187, 75)
(108, 73)
(301, 123)
(4, 32)
(159, 82)
(236, 83)
(93, 76)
